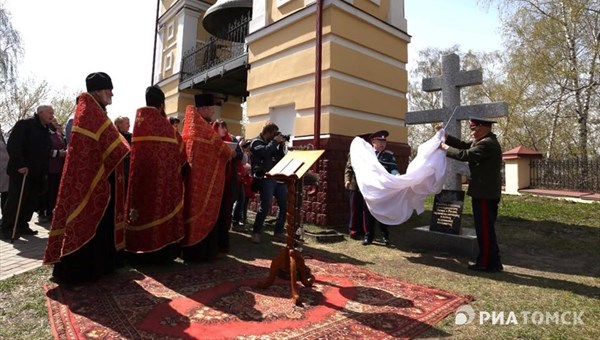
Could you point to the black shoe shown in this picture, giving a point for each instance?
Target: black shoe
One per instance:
(386, 241)
(366, 242)
(27, 231)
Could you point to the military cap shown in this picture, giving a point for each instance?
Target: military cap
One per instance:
(476, 121)
(379, 135)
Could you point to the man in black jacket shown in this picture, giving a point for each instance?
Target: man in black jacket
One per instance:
(484, 155)
(29, 147)
(266, 150)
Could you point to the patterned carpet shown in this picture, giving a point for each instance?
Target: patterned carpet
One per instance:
(223, 301)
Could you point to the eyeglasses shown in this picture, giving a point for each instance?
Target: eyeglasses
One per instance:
(474, 127)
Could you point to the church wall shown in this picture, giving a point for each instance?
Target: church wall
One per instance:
(358, 30)
(380, 11)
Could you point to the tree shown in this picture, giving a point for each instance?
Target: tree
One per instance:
(64, 106)
(21, 100)
(553, 50)
(10, 49)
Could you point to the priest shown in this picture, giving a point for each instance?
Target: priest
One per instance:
(87, 229)
(207, 156)
(154, 203)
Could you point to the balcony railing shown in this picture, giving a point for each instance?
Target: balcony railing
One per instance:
(216, 51)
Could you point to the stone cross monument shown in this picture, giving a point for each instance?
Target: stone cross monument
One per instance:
(450, 83)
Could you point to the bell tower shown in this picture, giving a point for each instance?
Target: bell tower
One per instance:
(194, 56)
(364, 82)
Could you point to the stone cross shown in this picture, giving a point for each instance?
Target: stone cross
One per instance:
(450, 83)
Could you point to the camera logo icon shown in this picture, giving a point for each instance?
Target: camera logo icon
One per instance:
(464, 315)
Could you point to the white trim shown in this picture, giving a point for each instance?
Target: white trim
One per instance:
(282, 2)
(168, 80)
(258, 33)
(337, 40)
(169, 61)
(327, 74)
(199, 6)
(259, 16)
(170, 46)
(384, 120)
(170, 30)
(396, 15)
(378, 2)
(340, 111)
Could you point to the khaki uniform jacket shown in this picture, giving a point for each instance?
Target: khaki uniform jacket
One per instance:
(485, 162)
(349, 175)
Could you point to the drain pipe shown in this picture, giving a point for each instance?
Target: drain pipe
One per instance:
(155, 37)
(318, 54)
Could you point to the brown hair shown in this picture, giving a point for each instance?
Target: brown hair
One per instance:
(270, 127)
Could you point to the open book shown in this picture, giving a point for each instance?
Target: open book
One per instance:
(295, 163)
(286, 167)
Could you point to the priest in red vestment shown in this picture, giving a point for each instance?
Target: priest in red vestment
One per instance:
(155, 195)
(207, 156)
(87, 229)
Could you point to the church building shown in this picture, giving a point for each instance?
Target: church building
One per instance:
(256, 61)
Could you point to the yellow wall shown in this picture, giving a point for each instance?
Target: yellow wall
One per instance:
(365, 34)
(360, 93)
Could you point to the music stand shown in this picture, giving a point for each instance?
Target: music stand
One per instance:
(289, 261)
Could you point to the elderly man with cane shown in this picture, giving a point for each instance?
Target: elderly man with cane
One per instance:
(29, 148)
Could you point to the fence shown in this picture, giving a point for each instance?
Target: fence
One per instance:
(568, 174)
(216, 51)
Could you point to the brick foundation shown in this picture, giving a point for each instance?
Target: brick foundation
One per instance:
(328, 205)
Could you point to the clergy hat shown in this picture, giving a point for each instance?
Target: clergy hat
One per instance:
(154, 96)
(98, 81)
(379, 135)
(476, 121)
(205, 99)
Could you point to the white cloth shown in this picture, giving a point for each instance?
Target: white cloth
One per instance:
(391, 199)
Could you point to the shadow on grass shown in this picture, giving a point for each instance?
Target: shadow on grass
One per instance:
(538, 245)
(452, 265)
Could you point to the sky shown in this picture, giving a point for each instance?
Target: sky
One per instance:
(65, 40)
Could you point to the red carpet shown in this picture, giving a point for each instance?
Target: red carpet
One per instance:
(222, 301)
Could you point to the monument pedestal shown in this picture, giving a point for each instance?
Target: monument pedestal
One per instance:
(463, 244)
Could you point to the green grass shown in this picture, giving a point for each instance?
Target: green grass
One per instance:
(549, 248)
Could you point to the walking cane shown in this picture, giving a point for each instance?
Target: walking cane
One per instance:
(14, 233)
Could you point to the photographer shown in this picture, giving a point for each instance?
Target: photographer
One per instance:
(266, 150)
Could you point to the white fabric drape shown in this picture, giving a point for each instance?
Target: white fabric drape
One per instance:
(392, 199)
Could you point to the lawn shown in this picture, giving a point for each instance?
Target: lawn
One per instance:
(549, 249)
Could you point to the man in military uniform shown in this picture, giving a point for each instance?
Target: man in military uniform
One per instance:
(484, 155)
(387, 159)
(359, 213)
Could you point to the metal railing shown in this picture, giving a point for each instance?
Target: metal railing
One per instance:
(568, 174)
(216, 51)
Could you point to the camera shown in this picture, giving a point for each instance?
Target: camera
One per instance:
(286, 137)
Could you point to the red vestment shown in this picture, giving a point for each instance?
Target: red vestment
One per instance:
(155, 194)
(95, 150)
(207, 155)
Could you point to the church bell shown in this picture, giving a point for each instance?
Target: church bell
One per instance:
(221, 17)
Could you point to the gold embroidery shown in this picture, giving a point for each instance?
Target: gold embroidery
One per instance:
(157, 222)
(85, 200)
(154, 139)
(111, 148)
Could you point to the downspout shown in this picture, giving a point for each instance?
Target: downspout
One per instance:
(155, 38)
(318, 54)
